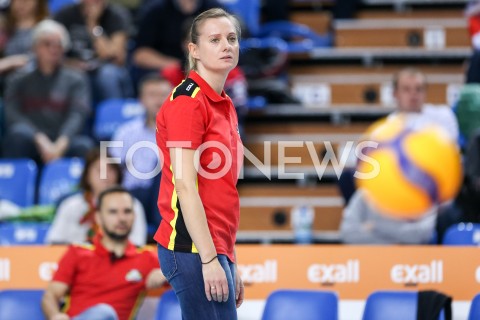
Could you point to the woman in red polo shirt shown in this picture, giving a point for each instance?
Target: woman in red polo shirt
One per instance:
(197, 133)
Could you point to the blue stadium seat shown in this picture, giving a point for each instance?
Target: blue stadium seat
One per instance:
(301, 304)
(168, 307)
(17, 181)
(474, 313)
(247, 10)
(393, 305)
(59, 178)
(305, 38)
(55, 5)
(111, 113)
(462, 234)
(21, 304)
(23, 233)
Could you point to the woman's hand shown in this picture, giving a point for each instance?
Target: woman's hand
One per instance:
(216, 285)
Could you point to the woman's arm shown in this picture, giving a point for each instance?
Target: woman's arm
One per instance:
(113, 47)
(185, 174)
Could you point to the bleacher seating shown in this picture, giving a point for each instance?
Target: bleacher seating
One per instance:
(392, 305)
(266, 211)
(21, 304)
(168, 307)
(23, 233)
(112, 113)
(344, 89)
(301, 304)
(304, 38)
(429, 33)
(58, 179)
(462, 234)
(17, 181)
(474, 313)
(55, 5)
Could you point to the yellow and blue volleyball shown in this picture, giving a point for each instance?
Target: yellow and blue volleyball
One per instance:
(410, 170)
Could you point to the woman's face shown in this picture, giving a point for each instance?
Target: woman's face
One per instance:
(217, 48)
(23, 8)
(97, 182)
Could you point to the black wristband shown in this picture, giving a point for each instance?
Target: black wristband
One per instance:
(210, 260)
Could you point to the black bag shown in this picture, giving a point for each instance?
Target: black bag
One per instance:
(431, 303)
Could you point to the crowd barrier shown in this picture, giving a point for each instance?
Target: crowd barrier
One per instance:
(352, 271)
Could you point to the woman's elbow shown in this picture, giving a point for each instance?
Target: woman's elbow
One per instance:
(183, 187)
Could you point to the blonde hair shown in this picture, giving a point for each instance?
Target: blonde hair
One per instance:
(194, 35)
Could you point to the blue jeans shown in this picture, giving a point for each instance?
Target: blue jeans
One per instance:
(111, 81)
(101, 311)
(183, 271)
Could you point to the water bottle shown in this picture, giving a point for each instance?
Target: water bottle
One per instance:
(302, 221)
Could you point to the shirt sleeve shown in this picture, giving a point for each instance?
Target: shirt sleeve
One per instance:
(186, 122)
(151, 260)
(66, 267)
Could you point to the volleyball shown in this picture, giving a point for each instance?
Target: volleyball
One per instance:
(411, 170)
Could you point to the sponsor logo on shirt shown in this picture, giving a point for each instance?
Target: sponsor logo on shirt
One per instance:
(133, 276)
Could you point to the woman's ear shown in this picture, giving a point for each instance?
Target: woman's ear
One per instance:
(193, 50)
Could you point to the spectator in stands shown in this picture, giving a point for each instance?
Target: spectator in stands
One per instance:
(473, 16)
(362, 223)
(410, 88)
(75, 216)
(16, 32)
(99, 31)
(104, 280)
(152, 92)
(160, 35)
(46, 108)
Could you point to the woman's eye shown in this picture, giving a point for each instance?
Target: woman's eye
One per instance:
(214, 40)
(233, 39)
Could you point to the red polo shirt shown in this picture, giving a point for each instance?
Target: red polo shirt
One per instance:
(95, 276)
(196, 117)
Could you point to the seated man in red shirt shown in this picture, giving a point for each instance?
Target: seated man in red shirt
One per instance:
(104, 280)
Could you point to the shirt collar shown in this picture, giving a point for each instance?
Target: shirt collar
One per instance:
(130, 250)
(205, 87)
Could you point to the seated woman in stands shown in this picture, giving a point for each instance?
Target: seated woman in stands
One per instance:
(74, 219)
(16, 28)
